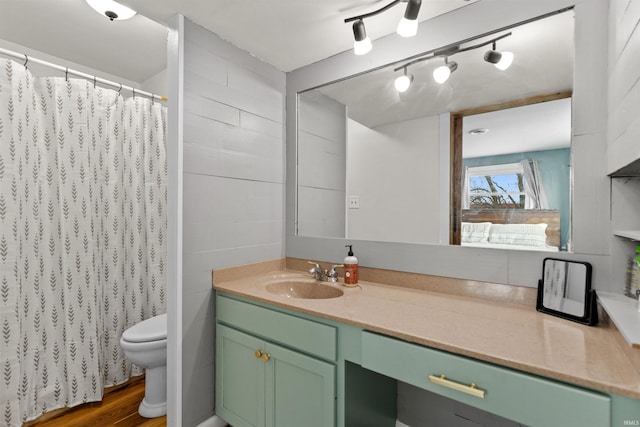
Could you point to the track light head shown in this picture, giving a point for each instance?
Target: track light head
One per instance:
(442, 73)
(362, 43)
(359, 32)
(501, 60)
(408, 25)
(403, 82)
(412, 10)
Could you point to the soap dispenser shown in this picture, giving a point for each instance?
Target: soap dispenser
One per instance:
(350, 268)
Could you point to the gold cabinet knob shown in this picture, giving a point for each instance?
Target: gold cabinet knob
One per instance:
(265, 357)
(258, 354)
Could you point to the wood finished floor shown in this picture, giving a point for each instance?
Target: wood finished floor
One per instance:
(118, 408)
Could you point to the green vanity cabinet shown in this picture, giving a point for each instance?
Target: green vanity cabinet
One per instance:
(278, 367)
(266, 381)
(521, 397)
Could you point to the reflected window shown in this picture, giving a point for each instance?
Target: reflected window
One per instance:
(496, 187)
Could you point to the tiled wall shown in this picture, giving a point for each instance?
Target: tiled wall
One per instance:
(233, 189)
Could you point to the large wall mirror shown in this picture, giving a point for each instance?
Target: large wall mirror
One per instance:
(370, 158)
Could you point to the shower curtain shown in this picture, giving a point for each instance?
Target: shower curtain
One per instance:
(82, 237)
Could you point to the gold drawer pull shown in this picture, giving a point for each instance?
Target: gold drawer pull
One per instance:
(258, 354)
(471, 389)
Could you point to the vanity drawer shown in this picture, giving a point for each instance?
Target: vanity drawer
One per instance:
(523, 398)
(308, 336)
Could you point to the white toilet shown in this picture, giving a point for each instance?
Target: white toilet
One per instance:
(145, 345)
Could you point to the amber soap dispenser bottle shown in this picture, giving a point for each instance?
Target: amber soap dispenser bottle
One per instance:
(350, 268)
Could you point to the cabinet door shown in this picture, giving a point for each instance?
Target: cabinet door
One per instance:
(239, 378)
(300, 390)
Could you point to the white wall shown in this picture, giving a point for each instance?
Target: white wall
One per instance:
(232, 189)
(623, 128)
(419, 407)
(321, 175)
(394, 170)
(157, 84)
(624, 84)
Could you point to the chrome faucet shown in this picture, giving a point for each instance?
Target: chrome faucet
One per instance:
(324, 275)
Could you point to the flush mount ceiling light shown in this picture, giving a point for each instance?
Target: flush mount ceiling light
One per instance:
(403, 82)
(362, 43)
(111, 9)
(501, 60)
(407, 27)
(443, 72)
(478, 131)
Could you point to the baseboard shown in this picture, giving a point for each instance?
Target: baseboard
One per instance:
(214, 421)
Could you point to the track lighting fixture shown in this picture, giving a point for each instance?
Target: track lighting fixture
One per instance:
(111, 9)
(501, 60)
(362, 43)
(407, 27)
(403, 82)
(442, 73)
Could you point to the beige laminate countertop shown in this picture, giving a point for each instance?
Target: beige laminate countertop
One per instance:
(507, 334)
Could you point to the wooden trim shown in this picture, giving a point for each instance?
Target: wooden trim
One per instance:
(457, 118)
(537, 99)
(456, 180)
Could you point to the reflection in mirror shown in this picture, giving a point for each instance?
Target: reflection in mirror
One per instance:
(518, 194)
(373, 162)
(565, 290)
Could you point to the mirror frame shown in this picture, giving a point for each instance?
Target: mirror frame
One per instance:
(591, 236)
(590, 316)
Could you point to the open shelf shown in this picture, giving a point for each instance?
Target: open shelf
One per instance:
(624, 313)
(628, 234)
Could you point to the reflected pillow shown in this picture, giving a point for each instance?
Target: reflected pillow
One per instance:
(519, 234)
(475, 232)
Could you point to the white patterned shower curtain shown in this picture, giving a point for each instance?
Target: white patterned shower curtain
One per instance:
(82, 237)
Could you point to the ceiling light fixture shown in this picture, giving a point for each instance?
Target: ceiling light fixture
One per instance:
(443, 72)
(501, 60)
(362, 43)
(111, 9)
(403, 82)
(407, 27)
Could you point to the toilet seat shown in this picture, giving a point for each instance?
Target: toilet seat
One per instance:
(152, 329)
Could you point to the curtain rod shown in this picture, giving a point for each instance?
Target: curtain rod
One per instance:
(67, 70)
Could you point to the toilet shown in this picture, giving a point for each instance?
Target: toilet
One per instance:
(145, 345)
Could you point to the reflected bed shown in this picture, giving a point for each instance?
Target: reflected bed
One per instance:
(517, 229)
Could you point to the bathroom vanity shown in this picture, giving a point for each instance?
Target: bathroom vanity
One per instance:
(285, 360)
